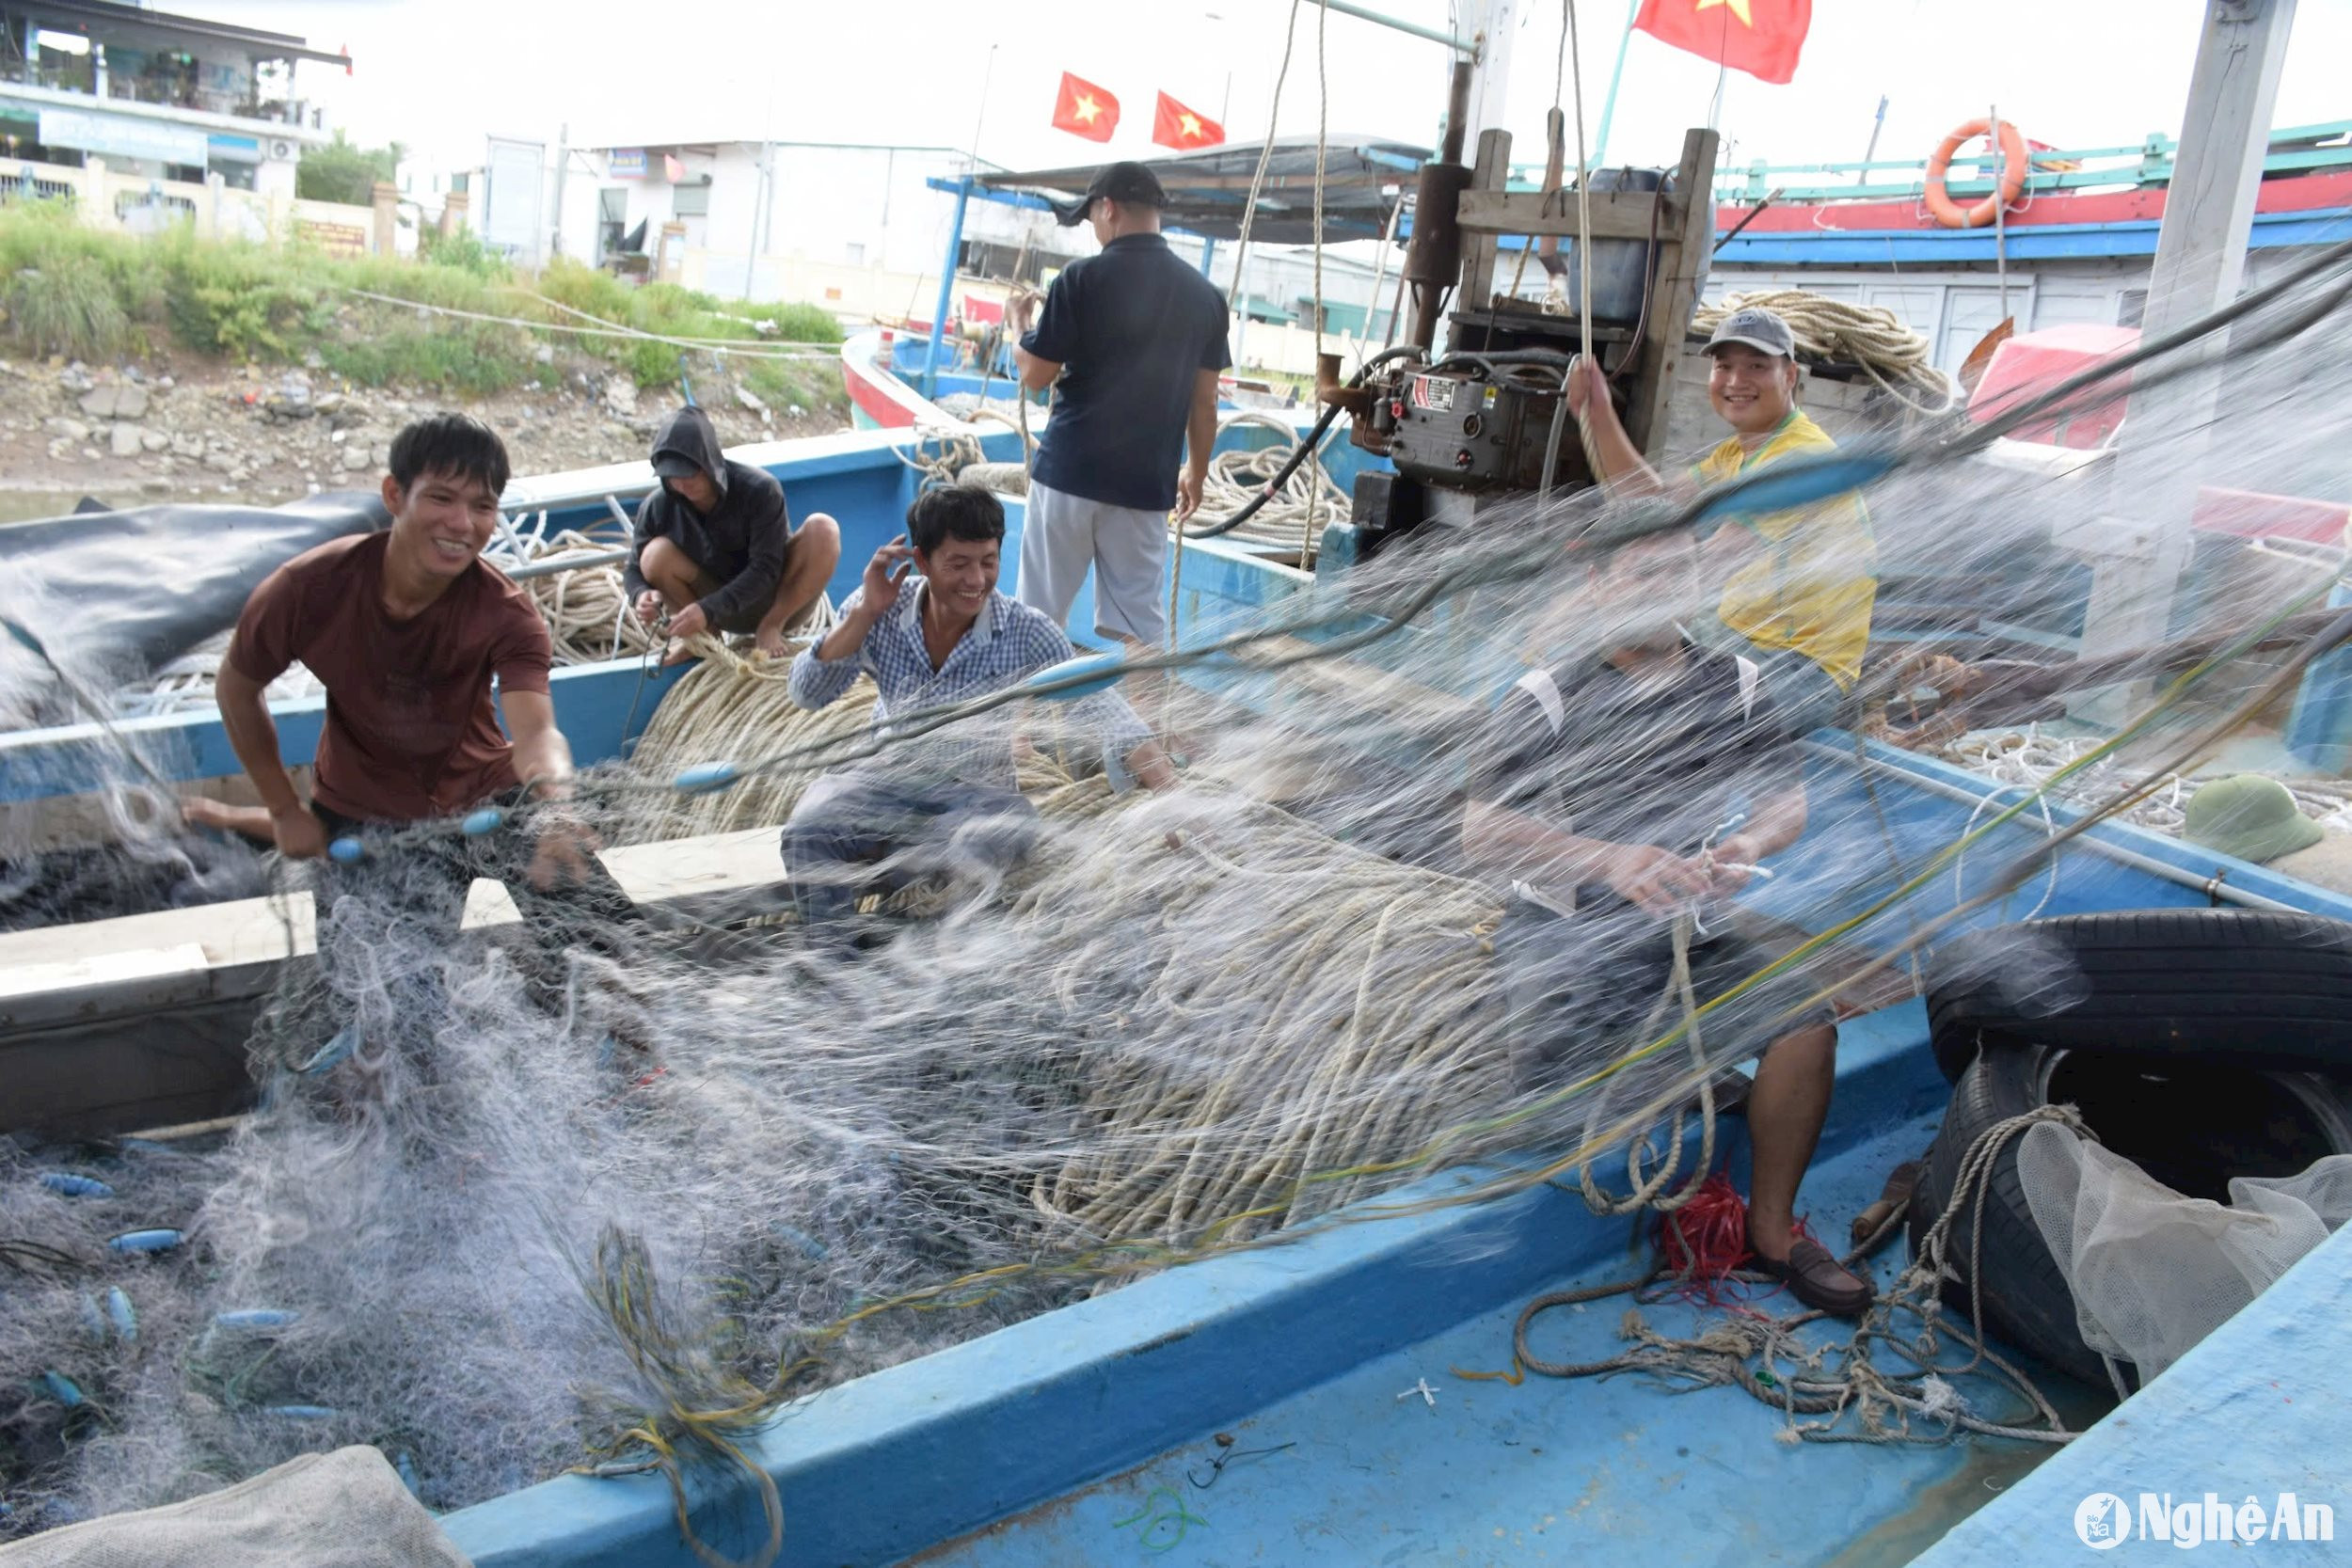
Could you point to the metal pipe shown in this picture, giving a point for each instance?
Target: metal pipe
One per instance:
(946, 285)
(546, 567)
(2212, 887)
(1460, 46)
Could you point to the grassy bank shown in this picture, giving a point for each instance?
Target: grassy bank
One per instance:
(95, 295)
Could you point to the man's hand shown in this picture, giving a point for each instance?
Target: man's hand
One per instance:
(1188, 486)
(299, 835)
(689, 623)
(562, 856)
(885, 573)
(1654, 879)
(650, 607)
(1020, 311)
(1587, 384)
(1729, 863)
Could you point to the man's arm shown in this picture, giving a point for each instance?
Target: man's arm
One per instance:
(253, 735)
(1199, 438)
(1657, 880)
(1036, 374)
(1621, 462)
(544, 758)
(824, 670)
(1043, 351)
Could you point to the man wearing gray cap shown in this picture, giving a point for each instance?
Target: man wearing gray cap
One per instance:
(1798, 585)
(1136, 337)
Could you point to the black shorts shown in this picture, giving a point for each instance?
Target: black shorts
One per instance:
(1582, 989)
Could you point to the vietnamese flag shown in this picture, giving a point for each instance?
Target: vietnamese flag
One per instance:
(1083, 109)
(1759, 36)
(1173, 125)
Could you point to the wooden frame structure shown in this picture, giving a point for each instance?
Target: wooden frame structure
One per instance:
(1686, 243)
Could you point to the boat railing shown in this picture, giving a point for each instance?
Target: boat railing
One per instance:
(2294, 149)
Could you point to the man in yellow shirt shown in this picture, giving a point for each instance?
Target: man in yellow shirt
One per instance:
(1798, 585)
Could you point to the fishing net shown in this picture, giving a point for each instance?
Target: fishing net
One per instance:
(2152, 1272)
(612, 1189)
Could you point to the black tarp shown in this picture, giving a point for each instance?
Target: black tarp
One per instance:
(136, 588)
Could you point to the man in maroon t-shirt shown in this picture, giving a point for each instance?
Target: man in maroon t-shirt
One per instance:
(405, 628)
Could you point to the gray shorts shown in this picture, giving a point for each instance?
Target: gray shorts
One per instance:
(1127, 547)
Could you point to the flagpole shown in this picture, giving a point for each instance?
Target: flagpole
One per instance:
(1609, 104)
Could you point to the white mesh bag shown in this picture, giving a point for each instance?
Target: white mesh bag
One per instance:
(2153, 1272)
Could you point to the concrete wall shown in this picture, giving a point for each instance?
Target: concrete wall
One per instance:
(132, 204)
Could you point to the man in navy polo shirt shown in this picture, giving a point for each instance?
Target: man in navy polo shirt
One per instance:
(1136, 337)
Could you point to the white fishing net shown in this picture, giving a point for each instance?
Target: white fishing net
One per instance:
(2152, 1272)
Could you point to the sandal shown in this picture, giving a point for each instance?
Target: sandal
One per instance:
(1816, 1279)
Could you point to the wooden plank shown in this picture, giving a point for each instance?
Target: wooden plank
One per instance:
(173, 957)
(1684, 252)
(1478, 250)
(1616, 215)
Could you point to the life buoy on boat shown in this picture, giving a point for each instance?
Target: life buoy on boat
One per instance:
(2009, 187)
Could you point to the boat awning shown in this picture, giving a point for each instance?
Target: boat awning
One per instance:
(1206, 191)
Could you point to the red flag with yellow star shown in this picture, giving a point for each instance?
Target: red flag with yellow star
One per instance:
(1759, 36)
(1083, 109)
(1173, 125)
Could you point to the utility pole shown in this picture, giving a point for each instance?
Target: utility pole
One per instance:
(563, 177)
(2140, 549)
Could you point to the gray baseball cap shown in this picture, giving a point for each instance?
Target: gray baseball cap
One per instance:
(1757, 329)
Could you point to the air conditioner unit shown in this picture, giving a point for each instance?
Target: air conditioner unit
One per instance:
(281, 148)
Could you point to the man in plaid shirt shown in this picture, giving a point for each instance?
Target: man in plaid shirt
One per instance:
(928, 626)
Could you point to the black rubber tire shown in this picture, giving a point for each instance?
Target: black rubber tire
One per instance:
(2026, 1300)
(2267, 990)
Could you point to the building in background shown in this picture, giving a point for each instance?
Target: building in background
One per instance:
(154, 96)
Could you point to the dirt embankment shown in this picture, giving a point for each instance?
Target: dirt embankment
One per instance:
(179, 427)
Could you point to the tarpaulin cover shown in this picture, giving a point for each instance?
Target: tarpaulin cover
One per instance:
(147, 583)
(2033, 362)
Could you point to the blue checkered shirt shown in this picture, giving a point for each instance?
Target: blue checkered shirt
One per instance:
(1008, 642)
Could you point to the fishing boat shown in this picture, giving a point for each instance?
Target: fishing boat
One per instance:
(1357, 1394)
(1314, 1386)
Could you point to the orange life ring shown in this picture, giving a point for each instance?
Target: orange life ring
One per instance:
(2013, 183)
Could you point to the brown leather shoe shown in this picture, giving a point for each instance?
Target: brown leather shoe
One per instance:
(1816, 1279)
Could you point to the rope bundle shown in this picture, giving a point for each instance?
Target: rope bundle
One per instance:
(1237, 478)
(586, 608)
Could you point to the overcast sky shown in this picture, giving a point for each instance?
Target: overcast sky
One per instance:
(440, 74)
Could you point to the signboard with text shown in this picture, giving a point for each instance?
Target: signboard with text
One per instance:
(624, 163)
(124, 136)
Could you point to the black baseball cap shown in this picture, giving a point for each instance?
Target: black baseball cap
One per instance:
(1122, 181)
(674, 464)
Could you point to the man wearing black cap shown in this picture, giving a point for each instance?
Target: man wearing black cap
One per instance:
(1138, 338)
(716, 547)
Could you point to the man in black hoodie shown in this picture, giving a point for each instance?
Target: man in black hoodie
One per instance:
(716, 548)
